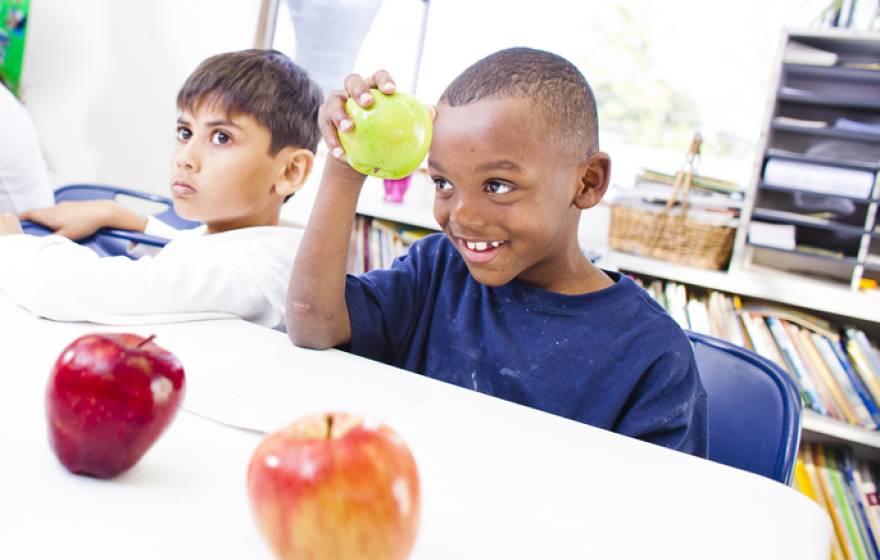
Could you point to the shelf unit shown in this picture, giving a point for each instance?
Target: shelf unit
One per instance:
(804, 135)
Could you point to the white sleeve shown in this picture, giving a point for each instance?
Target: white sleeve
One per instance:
(58, 279)
(24, 178)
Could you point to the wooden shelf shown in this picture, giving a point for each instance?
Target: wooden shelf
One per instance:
(760, 283)
(827, 161)
(833, 73)
(817, 428)
(828, 101)
(827, 132)
(858, 199)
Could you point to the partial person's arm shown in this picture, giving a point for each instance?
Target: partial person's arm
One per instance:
(190, 279)
(80, 219)
(24, 176)
(317, 315)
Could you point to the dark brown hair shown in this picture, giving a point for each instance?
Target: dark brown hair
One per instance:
(549, 81)
(264, 84)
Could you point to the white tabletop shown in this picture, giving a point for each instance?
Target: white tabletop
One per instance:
(498, 480)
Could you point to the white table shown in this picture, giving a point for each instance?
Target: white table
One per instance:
(498, 480)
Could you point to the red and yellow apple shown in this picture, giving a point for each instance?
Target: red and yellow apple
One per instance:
(109, 397)
(390, 138)
(335, 486)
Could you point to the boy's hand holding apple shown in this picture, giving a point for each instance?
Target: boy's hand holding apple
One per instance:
(374, 130)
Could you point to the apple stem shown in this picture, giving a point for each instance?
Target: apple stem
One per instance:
(146, 341)
(329, 425)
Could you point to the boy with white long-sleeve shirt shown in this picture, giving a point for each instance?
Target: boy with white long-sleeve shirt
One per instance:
(246, 135)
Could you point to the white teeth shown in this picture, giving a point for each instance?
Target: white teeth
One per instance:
(482, 245)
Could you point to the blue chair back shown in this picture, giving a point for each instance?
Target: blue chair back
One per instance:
(109, 241)
(754, 409)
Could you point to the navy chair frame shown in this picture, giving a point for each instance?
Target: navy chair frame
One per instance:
(754, 407)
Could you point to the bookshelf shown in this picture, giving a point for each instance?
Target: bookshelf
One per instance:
(815, 177)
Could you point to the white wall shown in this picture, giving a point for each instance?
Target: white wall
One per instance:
(101, 76)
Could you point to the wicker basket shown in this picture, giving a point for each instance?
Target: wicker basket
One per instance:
(669, 234)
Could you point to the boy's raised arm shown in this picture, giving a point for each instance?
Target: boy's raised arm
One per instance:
(317, 315)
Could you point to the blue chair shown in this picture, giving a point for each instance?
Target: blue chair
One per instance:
(109, 241)
(754, 409)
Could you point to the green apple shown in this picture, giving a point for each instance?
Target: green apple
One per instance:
(390, 138)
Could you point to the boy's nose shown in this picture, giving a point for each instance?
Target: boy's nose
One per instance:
(466, 211)
(187, 158)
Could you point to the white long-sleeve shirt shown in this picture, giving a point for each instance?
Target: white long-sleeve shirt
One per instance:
(239, 273)
(24, 179)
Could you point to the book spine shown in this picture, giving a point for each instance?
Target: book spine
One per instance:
(831, 503)
(842, 370)
(837, 392)
(819, 383)
(861, 367)
(808, 390)
(854, 492)
(812, 469)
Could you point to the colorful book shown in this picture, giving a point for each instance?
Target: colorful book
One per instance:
(822, 389)
(799, 372)
(849, 381)
(860, 364)
(813, 463)
(834, 387)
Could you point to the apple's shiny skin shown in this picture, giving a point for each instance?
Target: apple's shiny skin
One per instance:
(335, 486)
(391, 137)
(109, 397)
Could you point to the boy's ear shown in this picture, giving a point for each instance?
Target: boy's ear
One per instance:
(594, 180)
(298, 164)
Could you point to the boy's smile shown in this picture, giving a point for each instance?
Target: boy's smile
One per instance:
(509, 198)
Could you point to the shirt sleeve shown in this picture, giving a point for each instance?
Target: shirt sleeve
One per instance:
(58, 279)
(24, 177)
(383, 306)
(668, 406)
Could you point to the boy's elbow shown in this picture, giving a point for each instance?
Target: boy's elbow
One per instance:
(307, 330)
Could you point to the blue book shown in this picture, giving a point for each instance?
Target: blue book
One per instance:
(856, 381)
(793, 360)
(845, 464)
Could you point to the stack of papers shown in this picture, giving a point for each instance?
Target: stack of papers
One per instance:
(799, 53)
(819, 178)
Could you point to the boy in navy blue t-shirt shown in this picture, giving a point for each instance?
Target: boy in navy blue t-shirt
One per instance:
(505, 302)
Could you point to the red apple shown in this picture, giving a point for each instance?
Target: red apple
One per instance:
(109, 397)
(335, 486)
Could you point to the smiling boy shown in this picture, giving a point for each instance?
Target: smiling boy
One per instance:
(504, 302)
(246, 134)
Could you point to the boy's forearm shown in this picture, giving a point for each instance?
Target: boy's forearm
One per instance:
(317, 316)
(118, 217)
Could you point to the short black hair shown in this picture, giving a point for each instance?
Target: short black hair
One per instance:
(545, 79)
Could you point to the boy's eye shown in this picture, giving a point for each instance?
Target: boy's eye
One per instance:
(497, 187)
(183, 133)
(442, 184)
(220, 137)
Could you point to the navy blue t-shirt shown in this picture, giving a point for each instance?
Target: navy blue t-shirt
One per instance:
(612, 358)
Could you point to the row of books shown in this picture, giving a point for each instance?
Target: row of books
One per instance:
(376, 243)
(837, 371)
(847, 489)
